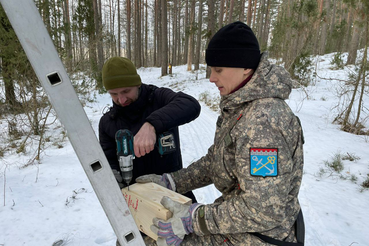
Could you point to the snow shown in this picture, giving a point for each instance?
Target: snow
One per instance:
(51, 202)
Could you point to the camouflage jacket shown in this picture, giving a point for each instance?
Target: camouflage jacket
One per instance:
(256, 162)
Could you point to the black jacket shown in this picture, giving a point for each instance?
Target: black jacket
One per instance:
(161, 107)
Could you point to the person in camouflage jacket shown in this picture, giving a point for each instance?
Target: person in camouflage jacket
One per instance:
(256, 161)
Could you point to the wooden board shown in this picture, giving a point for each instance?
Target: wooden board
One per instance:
(144, 203)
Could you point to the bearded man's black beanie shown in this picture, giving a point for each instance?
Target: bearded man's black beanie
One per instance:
(234, 45)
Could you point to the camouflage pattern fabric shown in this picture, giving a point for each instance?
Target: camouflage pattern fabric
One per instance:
(255, 116)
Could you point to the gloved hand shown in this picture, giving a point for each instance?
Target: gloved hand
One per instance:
(164, 180)
(172, 231)
(119, 178)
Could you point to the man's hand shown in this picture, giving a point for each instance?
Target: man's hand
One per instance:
(164, 180)
(172, 231)
(145, 139)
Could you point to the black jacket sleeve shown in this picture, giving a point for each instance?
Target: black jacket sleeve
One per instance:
(177, 109)
(108, 143)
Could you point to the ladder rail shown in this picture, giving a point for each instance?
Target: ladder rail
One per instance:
(40, 50)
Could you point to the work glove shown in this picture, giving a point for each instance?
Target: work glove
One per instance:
(119, 178)
(173, 230)
(164, 180)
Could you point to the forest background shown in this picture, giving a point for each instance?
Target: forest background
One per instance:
(169, 33)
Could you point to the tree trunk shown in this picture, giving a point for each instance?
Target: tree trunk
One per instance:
(191, 36)
(254, 15)
(46, 15)
(111, 43)
(221, 13)
(260, 20)
(363, 82)
(324, 30)
(242, 12)
(142, 28)
(346, 122)
(185, 47)
(146, 36)
(231, 7)
(99, 45)
(348, 35)
(360, 103)
(317, 27)
(91, 34)
(10, 98)
(198, 45)
(174, 33)
(249, 12)
(67, 33)
(156, 31)
(333, 18)
(159, 37)
(138, 41)
(211, 27)
(178, 38)
(287, 10)
(357, 29)
(265, 29)
(81, 53)
(128, 30)
(170, 32)
(164, 37)
(119, 35)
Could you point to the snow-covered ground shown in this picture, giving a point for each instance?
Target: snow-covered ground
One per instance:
(52, 202)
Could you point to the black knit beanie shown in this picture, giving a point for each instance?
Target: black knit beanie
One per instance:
(234, 45)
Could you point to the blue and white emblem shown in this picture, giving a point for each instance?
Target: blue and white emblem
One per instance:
(264, 162)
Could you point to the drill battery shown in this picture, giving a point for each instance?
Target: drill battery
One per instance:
(166, 143)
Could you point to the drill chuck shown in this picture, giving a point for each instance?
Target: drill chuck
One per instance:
(126, 166)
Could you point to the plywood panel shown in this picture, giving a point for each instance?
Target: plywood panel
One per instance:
(144, 203)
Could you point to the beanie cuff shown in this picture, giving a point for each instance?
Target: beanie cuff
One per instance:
(241, 58)
(122, 81)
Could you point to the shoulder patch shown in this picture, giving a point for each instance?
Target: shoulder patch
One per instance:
(264, 162)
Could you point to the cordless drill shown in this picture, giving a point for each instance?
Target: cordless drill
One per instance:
(125, 153)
